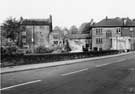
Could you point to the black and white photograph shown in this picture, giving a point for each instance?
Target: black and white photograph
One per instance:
(67, 47)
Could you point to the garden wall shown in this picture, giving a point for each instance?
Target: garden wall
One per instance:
(13, 60)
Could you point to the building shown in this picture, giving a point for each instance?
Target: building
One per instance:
(112, 34)
(133, 35)
(79, 42)
(121, 43)
(56, 38)
(35, 33)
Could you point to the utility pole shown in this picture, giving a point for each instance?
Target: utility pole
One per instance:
(132, 41)
(132, 38)
(116, 42)
(33, 39)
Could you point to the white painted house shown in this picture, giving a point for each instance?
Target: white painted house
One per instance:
(121, 43)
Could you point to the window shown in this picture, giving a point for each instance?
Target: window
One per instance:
(98, 31)
(99, 41)
(24, 33)
(41, 27)
(96, 40)
(24, 40)
(101, 30)
(56, 36)
(118, 30)
(55, 42)
(108, 34)
(131, 29)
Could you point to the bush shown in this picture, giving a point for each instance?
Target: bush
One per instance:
(3, 51)
(8, 50)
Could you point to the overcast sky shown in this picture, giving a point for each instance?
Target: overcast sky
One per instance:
(67, 12)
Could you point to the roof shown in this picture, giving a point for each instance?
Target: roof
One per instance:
(79, 36)
(133, 22)
(36, 22)
(115, 22)
(127, 32)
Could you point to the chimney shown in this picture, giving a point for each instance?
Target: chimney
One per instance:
(106, 18)
(50, 18)
(124, 22)
(21, 20)
(91, 22)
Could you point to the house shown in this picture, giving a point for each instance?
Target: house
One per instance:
(79, 42)
(121, 43)
(35, 32)
(56, 38)
(112, 34)
(133, 35)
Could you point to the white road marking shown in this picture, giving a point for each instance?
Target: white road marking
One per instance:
(110, 63)
(74, 72)
(20, 84)
(103, 65)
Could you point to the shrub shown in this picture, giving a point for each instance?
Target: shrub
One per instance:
(3, 51)
(8, 50)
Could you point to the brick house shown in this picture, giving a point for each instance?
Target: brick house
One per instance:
(35, 32)
(112, 34)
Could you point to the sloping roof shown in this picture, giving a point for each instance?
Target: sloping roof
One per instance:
(133, 23)
(129, 22)
(126, 32)
(109, 22)
(79, 36)
(115, 22)
(36, 22)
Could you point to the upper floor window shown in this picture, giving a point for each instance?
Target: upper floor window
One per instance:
(24, 33)
(108, 34)
(98, 31)
(118, 30)
(24, 40)
(41, 27)
(55, 36)
(131, 29)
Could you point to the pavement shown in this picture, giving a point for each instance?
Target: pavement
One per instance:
(52, 64)
(114, 75)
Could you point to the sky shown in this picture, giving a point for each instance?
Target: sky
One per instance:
(66, 13)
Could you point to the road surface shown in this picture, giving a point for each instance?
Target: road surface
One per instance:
(114, 75)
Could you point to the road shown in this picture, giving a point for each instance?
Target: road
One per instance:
(114, 75)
